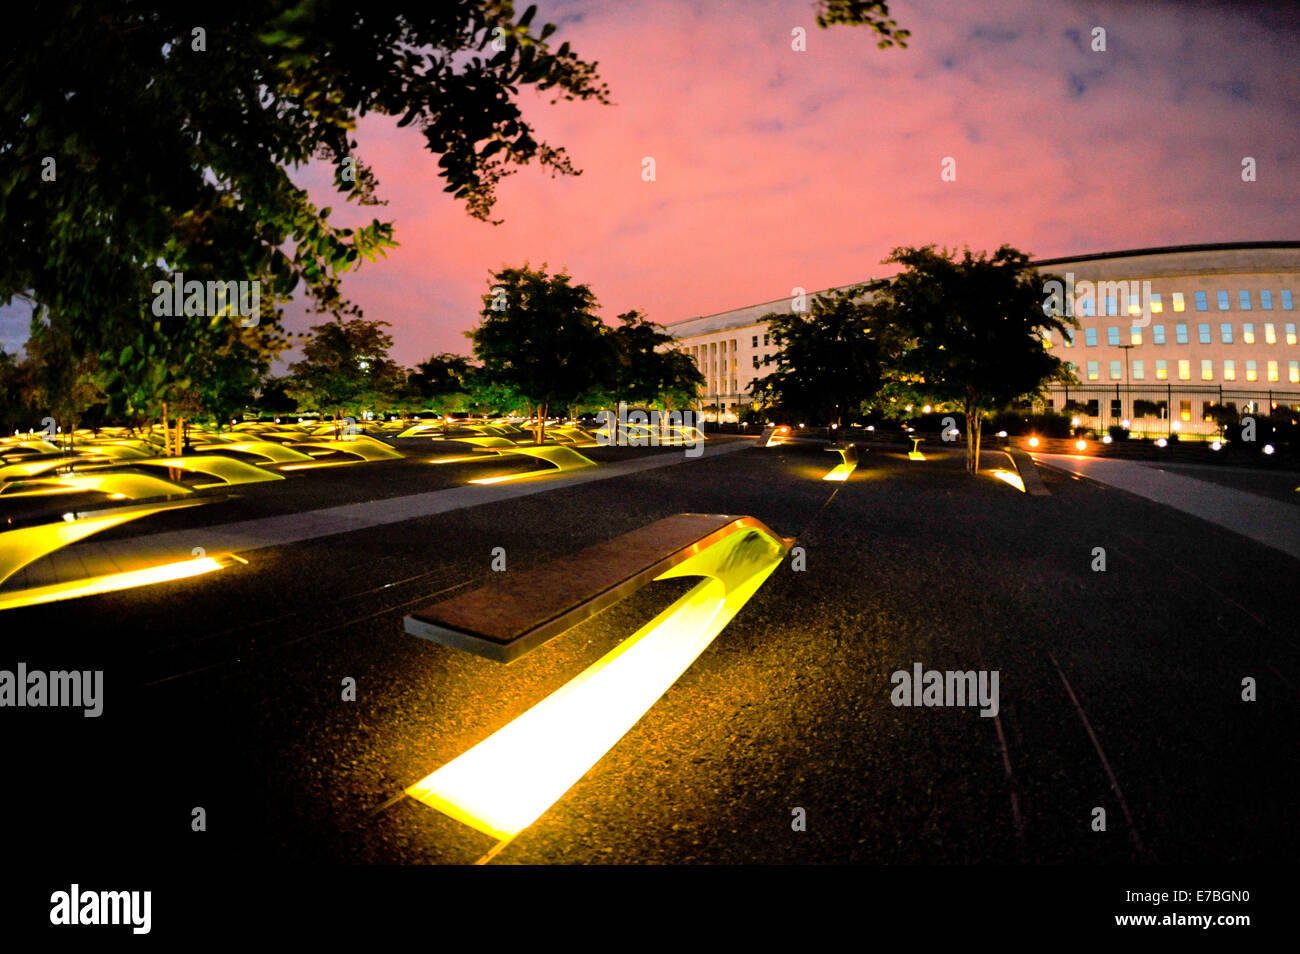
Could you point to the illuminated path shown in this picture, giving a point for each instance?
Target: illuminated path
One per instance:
(313, 524)
(1270, 522)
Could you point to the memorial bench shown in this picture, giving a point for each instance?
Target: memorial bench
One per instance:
(512, 615)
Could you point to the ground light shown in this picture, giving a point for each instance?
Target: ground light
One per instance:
(1216, 445)
(1162, 443)
(505, 783)
(1107, 439)
(1033, 442)
(1081, 445)
(1268, 448)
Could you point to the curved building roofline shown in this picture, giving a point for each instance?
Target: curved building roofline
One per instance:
(1164, 250)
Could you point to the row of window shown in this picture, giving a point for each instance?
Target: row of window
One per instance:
(1087, 304)
(1160, 409)
(1138, 370)
(1204, 334)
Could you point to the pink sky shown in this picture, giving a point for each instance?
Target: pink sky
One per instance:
(778, 168)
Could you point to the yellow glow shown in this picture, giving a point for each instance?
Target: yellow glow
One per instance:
(563, 457)
(227, 470)
(1033, 442)
(23, 545)
(915, 453)
(1081, 445)
(506, 782)
(848, 463)
(119, 484)
(109, 583)
(1008, 477)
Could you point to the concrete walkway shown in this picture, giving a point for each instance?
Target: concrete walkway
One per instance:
(1270, 522)
(92, 558)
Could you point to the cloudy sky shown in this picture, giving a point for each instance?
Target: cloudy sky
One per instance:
(776, 168)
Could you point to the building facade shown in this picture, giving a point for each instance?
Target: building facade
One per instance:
(1165, 336)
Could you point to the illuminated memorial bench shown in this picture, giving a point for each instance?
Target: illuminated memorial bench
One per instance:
(848, 462)
(562, 457)
(506, 782)
(915, 452)
(24, 544)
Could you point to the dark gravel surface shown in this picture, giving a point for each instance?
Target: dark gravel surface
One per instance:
(224, 691)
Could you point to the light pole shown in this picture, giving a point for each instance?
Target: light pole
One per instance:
(1126, 349)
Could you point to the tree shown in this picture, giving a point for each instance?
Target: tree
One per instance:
(832, 359)
(137, 143)
(59, 383)
(974, 330)
(648, 369)
(345, 367)
(540, 335)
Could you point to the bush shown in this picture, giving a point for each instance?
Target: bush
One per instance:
(1117, 433)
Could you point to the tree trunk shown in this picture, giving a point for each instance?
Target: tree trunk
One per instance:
(974, 422)
(166, 431)
(541, 423)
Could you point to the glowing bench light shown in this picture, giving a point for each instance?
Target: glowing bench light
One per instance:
(915, 452)
(563, 457)
(506, 782)
(1007, 477)
(848, 464)
(111, 582)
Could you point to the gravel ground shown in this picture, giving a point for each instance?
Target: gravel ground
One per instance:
(224, 691)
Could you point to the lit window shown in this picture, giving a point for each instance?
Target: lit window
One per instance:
(1162, 369)
(1207, 410)
(1270, 333)
(1290, 333)
(1203, 334)
(1134, 305)
(1200, 302)
(1047, 338)
(1225, 332)
(1266, 300)
(1090, 337)
(1158, 334)
(1184, 369)
(1114, 370)
(1157, 306)
(1248, 333)
(1135, 335)
(1139, 370)
(1286, 301)
(1272, 370)
(1069, 337)
(1093, 373)
(1180, 334)
(1179, 304)
(1293, 372)
(1223, 301)
(1251, 373)
(1243, 297)
(1207, 369)
(1184, 410)
(1112, 337)
(1229, 370)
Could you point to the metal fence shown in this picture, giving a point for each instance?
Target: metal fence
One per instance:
(1162, 408)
